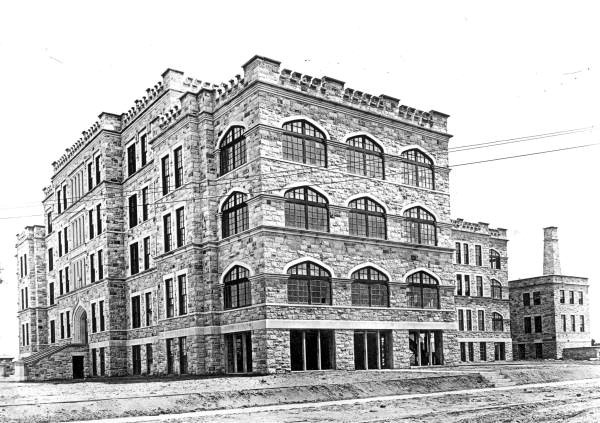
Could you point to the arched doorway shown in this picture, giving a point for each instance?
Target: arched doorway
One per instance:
(80, 332)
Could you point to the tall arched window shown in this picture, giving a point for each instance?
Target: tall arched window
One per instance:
(307, 209)
(237, 288)
(496, 289)
(417, 169)
(494, 259)
(233, 149)
(422, 291)
(305, 143)
(309, 283)
(365, 157)
(370, 288)
(367, 218)
(235, 214)
(420, 226)
(497, 322)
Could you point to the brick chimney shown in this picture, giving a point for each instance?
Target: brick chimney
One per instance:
(551, 256)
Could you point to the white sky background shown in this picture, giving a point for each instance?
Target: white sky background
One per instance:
(501, 70)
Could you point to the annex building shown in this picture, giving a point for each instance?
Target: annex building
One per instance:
(275, 222)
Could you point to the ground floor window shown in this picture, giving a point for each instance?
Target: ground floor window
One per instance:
(463, 351)
(539, 350)
(102, 365)
(522, 352)
(183, 359)
(149, 358)
(238, 350)
(426, 347)
(136, 358)
(471, 351)
(170, 355)
(372, 349)
(312, 349)
(482, 351)
(94, 363)
(499, 351)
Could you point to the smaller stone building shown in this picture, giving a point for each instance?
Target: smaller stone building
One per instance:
(481, 294)
(550, 312)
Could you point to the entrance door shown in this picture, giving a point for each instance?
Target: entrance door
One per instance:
(499, 352)
(77, 367)
(426, 347)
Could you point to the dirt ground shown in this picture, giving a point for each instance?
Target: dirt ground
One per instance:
(85, 400)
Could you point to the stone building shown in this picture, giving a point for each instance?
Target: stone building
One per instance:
(275, 222)
(550, 312)
(482, 297)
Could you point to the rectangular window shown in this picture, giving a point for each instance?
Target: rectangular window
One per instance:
(64, 195)
(461, 320)
(457, 253)
(581, 323)
(180, 222)
(98, 219)
(170, 301)
(51, 289)
(469, 320)
(573, 323)
(526, 299)
(459, 290)
(66, 239)
(101, 315)
(479, 281)
(100, 266)
(59, 201)
(170, 357)
(580, 297)
(92, 269)
(50, 260)
(527, 324)
(149, 358)
(60, 283)
(562, 296)
(467, 285)
(471, 351)
(537, 298)
(49, 222)
(26, 297)
(91, 223)
(143, 149)
(147, 253)
(133, 216)
(144, 204)
(148, 305)
(571, 297)
(181, 286)
(135, 312)
(131, 160)
(94, 362)
(178, 157)
(466, 253)
(481, 320)
(90, 176)
(478, 259)
(134, 258)
(52, 332)
(60, 246)
(67, 286)
(183, 359)
(463, 351)
(25, 262)
(97, 170)
(482, 351)
(68, 319)
(62, 326)
(537, 323)
(563, 319)
(167, 232)
(166, 177)
(94, 323)
(102, 358)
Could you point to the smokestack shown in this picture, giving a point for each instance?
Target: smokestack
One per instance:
(551, 256)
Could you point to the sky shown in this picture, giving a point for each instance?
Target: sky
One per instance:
(499, 69)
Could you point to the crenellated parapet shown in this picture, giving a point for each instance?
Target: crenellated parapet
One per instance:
(74, 149)
(480, 227)
(48, 191)
(141, 103)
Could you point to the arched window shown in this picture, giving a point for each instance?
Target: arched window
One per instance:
(420, 226)
(309, 283)
(233, 149)
(307, 209)
(422, 291)
(367, 218)
(370, 288)
(235, 214)
(365, 157)
(304, 143)
(417, 169)
(497, 322)
(496, 289)
(237, 288)
(494, 259)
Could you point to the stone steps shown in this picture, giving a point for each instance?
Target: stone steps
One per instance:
(497, 379)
